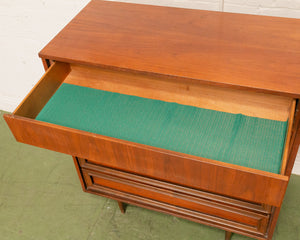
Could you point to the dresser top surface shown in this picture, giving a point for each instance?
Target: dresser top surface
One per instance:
(238, 50)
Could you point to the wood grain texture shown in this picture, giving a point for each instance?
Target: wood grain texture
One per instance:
(174, 210)
(178, 198)
(186, 202)
(220, 204)
(184, 91)
(292, 153)
(210, 197)
(37, 98)
(222, 178)
(238, 50)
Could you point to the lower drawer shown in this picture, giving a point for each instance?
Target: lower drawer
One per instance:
(211, 209)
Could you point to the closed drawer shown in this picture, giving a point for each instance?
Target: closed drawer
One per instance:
(156, 163)
(215, 209)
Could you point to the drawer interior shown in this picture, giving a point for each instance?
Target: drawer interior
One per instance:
(180, 128)
(229, 125)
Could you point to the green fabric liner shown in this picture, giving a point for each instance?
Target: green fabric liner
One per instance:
(233, 138)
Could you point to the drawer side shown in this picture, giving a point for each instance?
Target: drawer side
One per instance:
(43, 90)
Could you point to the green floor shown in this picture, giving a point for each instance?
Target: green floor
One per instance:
(41, 198)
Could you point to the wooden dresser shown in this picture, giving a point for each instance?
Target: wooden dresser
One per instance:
(239, 64)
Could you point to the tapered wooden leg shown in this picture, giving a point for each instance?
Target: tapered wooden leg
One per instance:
(228, 235)
(122, 206)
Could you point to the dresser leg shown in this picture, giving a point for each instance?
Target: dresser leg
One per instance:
(122, 207)
(228, 235)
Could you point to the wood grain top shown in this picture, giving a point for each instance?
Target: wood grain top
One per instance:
(245, 51)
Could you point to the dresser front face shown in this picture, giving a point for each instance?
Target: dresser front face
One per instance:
(206, 60)
(231, 197)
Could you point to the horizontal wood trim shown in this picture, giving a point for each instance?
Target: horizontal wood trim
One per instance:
(225, 201)
(217, 177)
(178, 198)
(176, 211)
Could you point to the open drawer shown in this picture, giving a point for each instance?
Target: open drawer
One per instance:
(158, 163)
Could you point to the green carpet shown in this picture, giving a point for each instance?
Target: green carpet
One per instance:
(41, 199)
(233, 138)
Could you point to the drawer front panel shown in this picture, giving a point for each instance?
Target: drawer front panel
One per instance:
(249, 217)
(225, 179)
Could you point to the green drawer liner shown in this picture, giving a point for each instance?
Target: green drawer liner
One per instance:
(233, 138)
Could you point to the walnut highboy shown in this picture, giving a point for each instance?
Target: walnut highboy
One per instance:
(227, 62)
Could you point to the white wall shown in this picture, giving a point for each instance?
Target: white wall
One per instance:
(27, 26)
